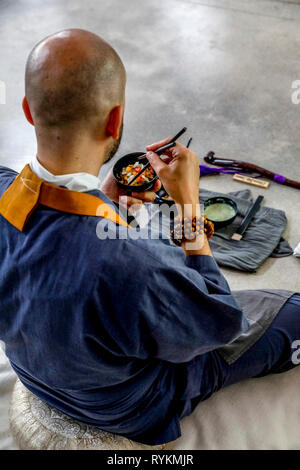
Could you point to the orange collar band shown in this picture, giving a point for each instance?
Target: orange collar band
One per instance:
(27, 191)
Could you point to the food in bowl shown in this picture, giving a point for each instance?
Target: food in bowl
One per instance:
(128, 162)
(128, 172)
(219, 212)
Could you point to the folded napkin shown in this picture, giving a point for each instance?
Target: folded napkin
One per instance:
(262, 239)
(297, 250)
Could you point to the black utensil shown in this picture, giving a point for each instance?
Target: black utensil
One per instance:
(238, 235)
(159, 151)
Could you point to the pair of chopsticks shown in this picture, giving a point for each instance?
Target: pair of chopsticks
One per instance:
(159, 151)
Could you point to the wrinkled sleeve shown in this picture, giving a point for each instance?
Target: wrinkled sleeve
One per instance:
(165, 305)
(202, 314)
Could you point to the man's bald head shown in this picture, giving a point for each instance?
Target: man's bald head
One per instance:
(73, 77)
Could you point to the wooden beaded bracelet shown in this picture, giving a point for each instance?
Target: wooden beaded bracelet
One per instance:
(189, 228)
(209, 228)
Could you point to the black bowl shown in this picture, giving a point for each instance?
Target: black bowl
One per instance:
(127, 160)
(221, 200)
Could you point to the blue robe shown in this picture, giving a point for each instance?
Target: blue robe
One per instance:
(103, 329)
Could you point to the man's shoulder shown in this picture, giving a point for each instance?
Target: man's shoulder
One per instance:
(5, 171)
(7, 175)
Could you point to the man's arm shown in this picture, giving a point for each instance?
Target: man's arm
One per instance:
(180, 175)
(163, 304)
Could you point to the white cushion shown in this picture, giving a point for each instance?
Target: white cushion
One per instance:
(37, 426)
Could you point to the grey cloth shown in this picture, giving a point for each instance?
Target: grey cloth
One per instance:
(262, 239)
(260, 307)
(282, 249)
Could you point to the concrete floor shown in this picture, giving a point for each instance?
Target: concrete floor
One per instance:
(223, 68)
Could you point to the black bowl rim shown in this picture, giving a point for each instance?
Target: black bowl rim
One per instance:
(141, 187)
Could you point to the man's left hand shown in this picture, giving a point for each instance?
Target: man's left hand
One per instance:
(127, 199)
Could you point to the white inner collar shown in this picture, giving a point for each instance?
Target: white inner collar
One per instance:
(75, 181)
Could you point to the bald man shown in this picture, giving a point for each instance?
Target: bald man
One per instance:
(122, 332)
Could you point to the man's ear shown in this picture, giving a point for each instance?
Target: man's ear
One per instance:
(115, 122)
(26, 110)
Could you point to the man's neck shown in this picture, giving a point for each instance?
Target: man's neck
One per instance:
(61, 166)
(62, 155)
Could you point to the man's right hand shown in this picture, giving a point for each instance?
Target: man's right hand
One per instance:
(179, 174)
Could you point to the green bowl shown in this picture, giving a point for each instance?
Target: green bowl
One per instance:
(220, 210)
